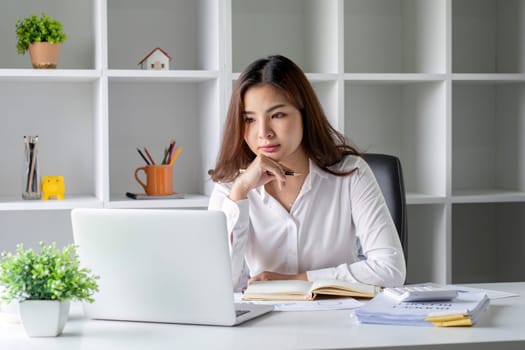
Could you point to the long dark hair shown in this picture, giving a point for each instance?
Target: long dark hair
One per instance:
(321, 142)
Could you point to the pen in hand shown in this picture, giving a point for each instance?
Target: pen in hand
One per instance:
(286, 172)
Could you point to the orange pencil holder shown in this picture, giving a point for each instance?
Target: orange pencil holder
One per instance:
(159, 179)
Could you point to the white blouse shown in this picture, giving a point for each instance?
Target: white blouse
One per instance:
(320, 234)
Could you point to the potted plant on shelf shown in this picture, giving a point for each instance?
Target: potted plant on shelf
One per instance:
(44, 283)
(42, 36)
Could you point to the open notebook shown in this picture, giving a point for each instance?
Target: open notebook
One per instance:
(160, 265)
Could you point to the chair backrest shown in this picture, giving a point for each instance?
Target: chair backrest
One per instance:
(387, 170)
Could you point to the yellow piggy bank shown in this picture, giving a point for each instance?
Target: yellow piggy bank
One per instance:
(53, 186)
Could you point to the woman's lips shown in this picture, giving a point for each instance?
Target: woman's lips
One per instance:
(269, 148)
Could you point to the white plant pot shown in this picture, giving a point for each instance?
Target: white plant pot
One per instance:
(43, 318)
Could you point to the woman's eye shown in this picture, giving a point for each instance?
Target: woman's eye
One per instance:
(278, 115)
(248, 120)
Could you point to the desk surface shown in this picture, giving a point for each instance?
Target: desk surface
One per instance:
(503, 324)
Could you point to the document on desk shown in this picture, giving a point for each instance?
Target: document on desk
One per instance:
(461, 311)
(492, 294)
(308, 305)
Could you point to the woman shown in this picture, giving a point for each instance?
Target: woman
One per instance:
(297, 197)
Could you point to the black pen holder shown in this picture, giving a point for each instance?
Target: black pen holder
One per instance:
(31, 178)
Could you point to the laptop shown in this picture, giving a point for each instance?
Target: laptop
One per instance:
(160, 265)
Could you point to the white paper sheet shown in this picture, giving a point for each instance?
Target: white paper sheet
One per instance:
(492, 294)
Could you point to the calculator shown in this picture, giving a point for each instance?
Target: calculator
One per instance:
(420, 293)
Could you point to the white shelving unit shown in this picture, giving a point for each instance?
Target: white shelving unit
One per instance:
(439, 83)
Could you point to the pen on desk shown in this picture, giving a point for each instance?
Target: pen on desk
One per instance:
(143, 157)
(286, 172)
(149, 156)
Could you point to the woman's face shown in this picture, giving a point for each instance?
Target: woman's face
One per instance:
(273, 127)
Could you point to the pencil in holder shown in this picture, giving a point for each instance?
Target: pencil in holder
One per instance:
(31, 180)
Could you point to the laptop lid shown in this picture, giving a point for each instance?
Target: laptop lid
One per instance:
(158, 265)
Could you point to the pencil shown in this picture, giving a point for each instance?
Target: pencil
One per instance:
(286, 172)
(26, 148)
(143, 157)
(175, 155)
(171, 150)
(166, 151)
(149, 156)
(31, 183)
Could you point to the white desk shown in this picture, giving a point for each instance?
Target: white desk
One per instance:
(501, 327)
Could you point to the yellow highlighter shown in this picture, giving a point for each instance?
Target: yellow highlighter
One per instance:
(176, 155)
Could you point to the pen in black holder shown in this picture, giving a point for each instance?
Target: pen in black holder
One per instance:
(31, 176)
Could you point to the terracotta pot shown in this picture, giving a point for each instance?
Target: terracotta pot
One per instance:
(44, 55)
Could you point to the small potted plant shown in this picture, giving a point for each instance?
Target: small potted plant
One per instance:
(42, 36)
(44, 283)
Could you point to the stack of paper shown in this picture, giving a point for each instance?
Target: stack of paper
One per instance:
(461, 311)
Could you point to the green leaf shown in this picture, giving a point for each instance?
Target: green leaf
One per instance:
(48, 275)
(34, 29)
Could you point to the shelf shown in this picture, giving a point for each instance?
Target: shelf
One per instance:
(487, 36)
(386, 78)
(488, 241)
(440, 84)
(394, 36)
(487, 196)
(161, 76)
(62, 115)
(177, 26)
(189, 201)
(303, 30)
(321, 77)
(395, 118)
(49, 75)
(420, 198)
(77, 52)
(312, 77)
(153, 115)
(477, 78)
(427, 244)
(488, 137)
(70, 202)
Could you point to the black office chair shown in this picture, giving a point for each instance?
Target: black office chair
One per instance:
(387, 170)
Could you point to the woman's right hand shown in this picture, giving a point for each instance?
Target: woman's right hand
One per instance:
(261, 171)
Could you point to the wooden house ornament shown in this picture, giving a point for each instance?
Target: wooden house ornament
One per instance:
(157, 59)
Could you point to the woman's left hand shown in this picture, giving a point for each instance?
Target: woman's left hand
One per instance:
(268, 276)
